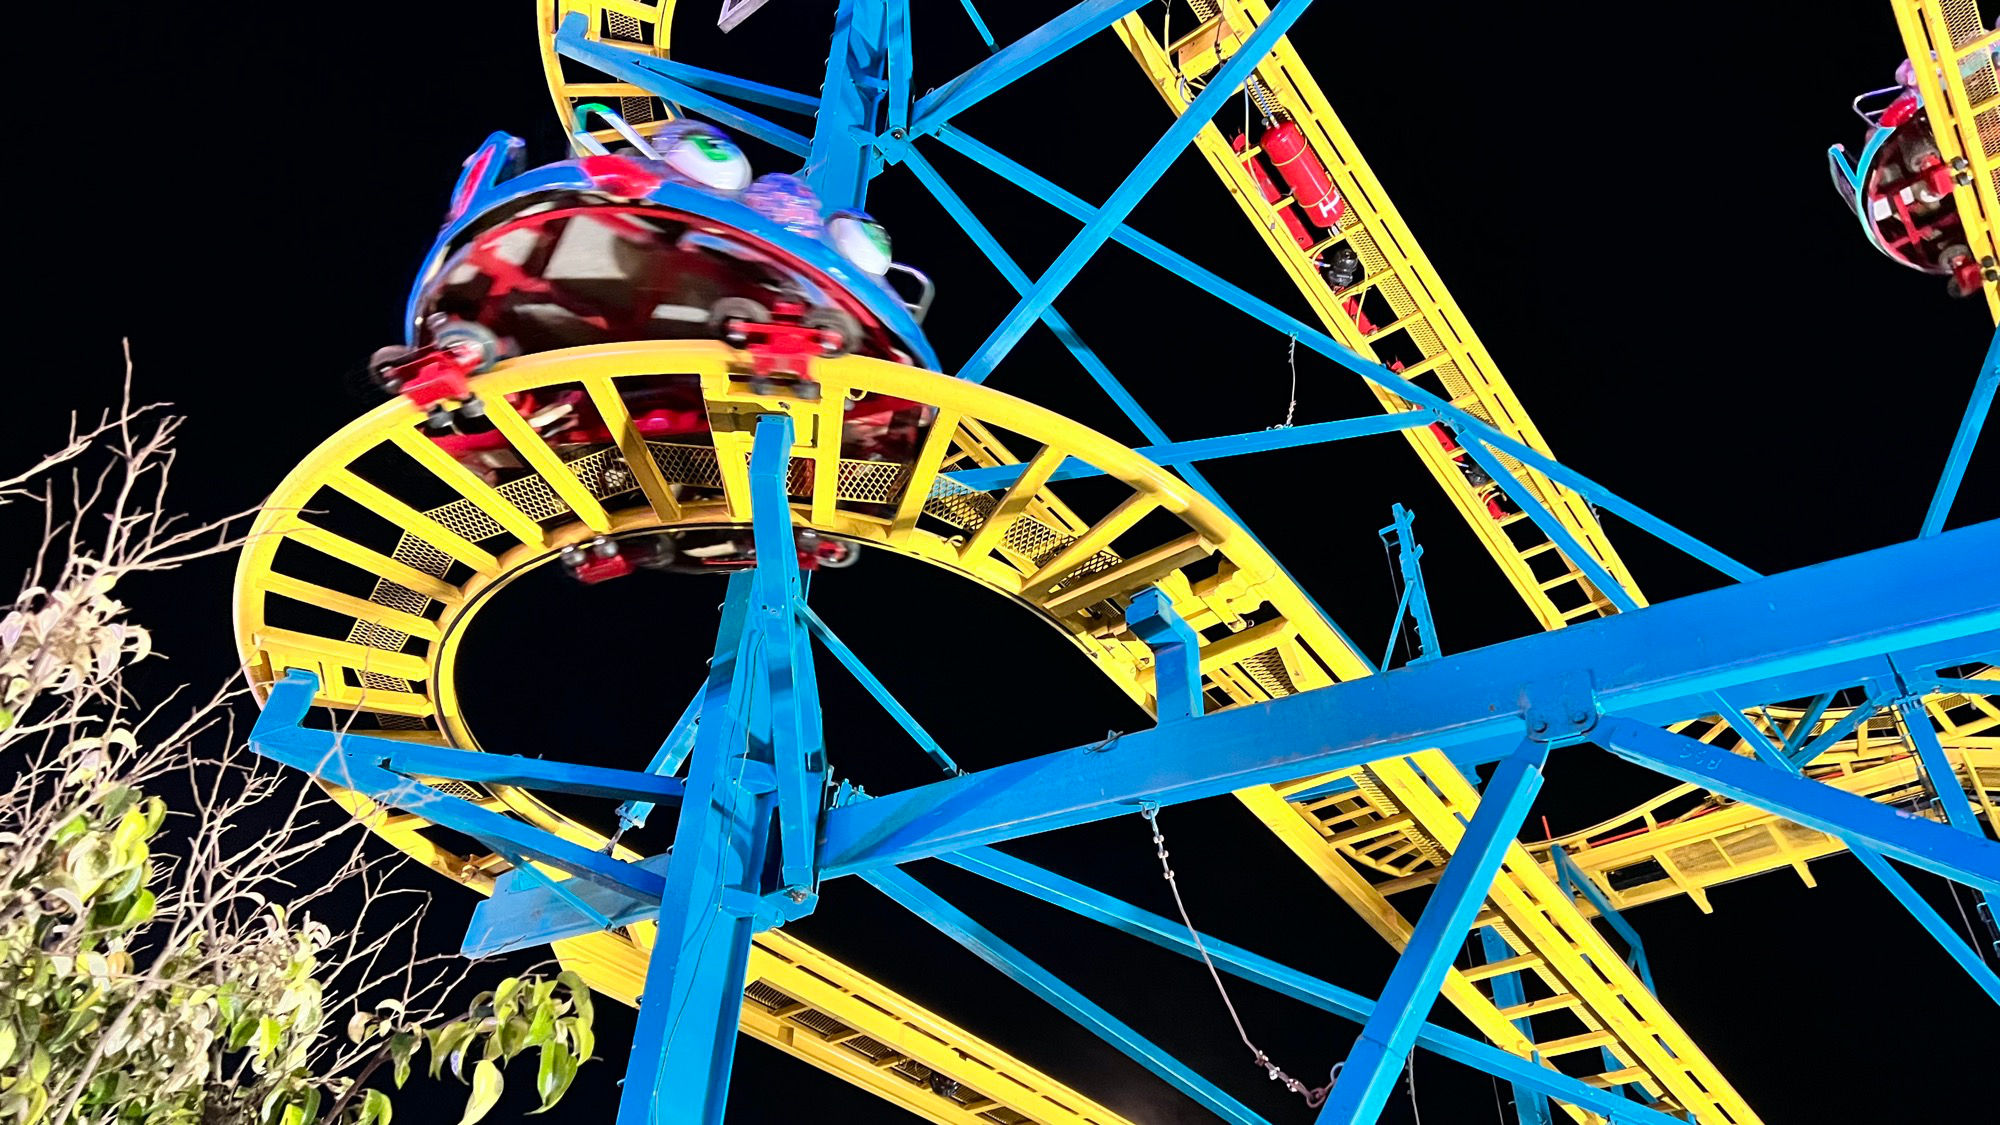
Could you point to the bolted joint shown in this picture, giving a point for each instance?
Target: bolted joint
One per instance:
(1560, 710)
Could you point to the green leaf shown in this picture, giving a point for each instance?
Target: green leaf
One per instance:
(542, 1028)
(553, 1076)
(375, 1108)
(402, 1046)
(486, 1085)
(448, 1044)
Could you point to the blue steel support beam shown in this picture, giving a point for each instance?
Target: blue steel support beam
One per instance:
(1552, 527)
(668, 758)
(1967, 436)
(1863, 823)
(959, 926)
(1937, 684)
(1099, 227)
(1813, 747)
(1176, 655)
(411, 758)
(685, 1040)
(1531, 1106)
(1015, 60)
(1376, 1059)
(1242, 299)
(902, 59)
(1171, 934)
(1803, 731)
(351, 760)
(798, 750)
(1574, 882)
(1416, 599)
(878, 691)
(1927, 916)
(1789, 635)
(843, 157)
(979, 25)
(1181, 453)
(631, 66)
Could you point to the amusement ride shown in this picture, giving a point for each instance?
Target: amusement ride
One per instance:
(650, 356)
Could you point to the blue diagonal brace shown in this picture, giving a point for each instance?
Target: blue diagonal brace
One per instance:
(411, 758)
(1016, 59)
(1099, 227)
(1967, 437)
(352, 760)
(1376, 1058)
(1544, 519)
(668, 758)
(1258, 308)
(631, 66)
(1922, 843)
(1181, 453)
(1575, 882)
(959, 926)
(879, 691)
(1088, 359)
(1171, 934)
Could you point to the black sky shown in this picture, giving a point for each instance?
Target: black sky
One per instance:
(1636, 219)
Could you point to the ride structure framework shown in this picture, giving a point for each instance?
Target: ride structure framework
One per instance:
(1844, 707)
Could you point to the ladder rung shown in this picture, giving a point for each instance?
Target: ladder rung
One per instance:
(1502, 967)
(1566, 577)
(1538, 549)
(1616, 1077)
(1539, 1007)
(1571, 1044)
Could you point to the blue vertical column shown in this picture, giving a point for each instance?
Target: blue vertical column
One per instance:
(686, 1036)
(1369, 1075)
(843, 157)
(790, 705)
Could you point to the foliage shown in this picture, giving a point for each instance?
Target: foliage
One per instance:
(158, 969)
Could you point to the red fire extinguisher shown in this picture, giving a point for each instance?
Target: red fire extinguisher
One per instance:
(1312, 187)
(1286, 215)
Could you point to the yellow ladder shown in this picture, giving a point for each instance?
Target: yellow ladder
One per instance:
(1410, 315)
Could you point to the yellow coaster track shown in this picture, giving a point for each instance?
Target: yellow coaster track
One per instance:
(402, 615)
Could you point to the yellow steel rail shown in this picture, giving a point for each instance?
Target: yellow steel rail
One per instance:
(1961, 96)
(1408, 308)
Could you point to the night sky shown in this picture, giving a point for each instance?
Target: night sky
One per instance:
(1639, 224)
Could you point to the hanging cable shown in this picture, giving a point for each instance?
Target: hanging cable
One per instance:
(1313, 1096)
(1410, 1068)
(1292, 408)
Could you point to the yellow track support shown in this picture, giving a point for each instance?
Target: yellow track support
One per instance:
(1408, 306)
(1962, 98)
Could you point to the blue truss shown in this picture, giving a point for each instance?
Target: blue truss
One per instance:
(744, 769)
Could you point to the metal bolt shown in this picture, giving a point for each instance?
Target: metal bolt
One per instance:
(1579, 716)
(1988, 262)
(1538, 724)
(898, 134)
(1963, 179)
(796, 894)
(1960, 163)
